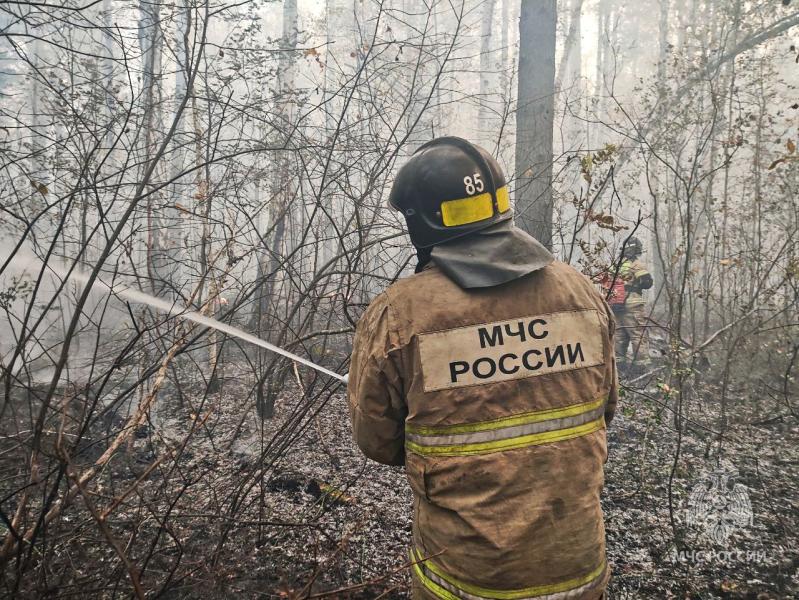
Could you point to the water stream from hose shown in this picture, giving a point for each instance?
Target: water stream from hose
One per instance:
(181, 312)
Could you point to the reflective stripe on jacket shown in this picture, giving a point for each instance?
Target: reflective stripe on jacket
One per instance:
(496, 400)
(443, 586)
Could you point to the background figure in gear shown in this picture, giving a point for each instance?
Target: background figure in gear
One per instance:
(630, 309)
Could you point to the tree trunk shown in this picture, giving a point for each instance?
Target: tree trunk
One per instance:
(534, 119)
(487, 90)
(159, 265)
(505, 60)
(570, 68)
(662, 244)
(282, 196)
(108, 69)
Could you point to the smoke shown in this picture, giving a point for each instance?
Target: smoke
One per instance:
(24, 261)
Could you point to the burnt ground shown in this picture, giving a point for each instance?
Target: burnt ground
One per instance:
(365, 537)
(325, 522)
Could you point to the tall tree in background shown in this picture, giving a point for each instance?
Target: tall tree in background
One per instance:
(151, 45)
(534, 118)
(486, 72)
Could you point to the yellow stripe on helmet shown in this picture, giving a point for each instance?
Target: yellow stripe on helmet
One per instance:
(503, 199)
(474, 208)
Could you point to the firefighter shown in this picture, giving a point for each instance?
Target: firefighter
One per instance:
(630, 310)
(490, 375)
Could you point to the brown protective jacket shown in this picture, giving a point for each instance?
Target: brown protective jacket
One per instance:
(496, 401)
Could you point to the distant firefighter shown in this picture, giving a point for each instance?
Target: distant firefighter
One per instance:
(490, 375)
(624, 288)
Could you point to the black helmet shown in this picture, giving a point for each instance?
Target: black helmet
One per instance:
(633, 248)
(449, 188)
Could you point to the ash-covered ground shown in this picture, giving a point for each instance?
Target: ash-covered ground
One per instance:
(216, 518)
(363, 536)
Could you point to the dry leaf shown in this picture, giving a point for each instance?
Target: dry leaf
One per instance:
(773, 165)
(40, 187)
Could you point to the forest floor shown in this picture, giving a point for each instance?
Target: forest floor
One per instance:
(326, 522)
(365, 537)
